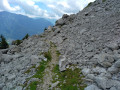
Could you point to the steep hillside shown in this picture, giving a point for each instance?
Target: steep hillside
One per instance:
(81, 52)
(15, 26)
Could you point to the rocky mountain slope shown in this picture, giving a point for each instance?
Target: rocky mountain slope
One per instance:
(15, 26)
(82, 51)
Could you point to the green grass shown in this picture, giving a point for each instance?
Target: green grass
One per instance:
(58, 53)
(40, 70)
(39, 74)
(48, 55)
(52, 44)
(73, 79)
(32, 85)
(29, 70)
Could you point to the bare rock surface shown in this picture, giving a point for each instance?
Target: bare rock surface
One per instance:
(89, 39)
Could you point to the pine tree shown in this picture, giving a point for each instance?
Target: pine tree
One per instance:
(26, 37)
(3, 42)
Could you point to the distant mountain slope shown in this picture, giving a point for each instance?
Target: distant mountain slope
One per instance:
(15, 26)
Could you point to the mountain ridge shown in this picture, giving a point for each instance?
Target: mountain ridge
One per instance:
(16, 26)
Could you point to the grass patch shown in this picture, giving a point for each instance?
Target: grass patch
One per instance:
(58, 53)
(48, 55)
(52, 44)
(69, 79)
(32, 85)
(39, 74)
(40, 70)
(28, 71)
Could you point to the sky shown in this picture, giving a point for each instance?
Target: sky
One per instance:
(52, 9)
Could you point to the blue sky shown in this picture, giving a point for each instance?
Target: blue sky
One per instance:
(52, 9)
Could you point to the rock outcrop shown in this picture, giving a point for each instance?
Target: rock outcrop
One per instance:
(88, 39)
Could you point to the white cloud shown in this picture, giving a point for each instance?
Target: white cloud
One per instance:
(54, 8)
(4, 5)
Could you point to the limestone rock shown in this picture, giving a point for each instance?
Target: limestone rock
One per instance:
(54, 84)
(92, 87)
(62, 63)
(117, 64)
(113, 70)
(113, 46)
(113, 88)
(86, 71)
(65, 16)
(98, 70)
(101, 82)
(104, 59)
(60, 22)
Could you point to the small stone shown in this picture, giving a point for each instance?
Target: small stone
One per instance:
(113, 88)
(54, 84)
(62, 63)
(92, 87)
(113, 70)
(99, 70)
(11, 77)
(113, 46)
(117, 64)
(101, 82)
(86, 71)
(90, 76)
(19, 88)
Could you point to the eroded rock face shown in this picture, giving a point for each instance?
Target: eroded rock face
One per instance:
(19, 60)
(89, 39)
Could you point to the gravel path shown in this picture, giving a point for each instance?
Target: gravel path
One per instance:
(47, 79)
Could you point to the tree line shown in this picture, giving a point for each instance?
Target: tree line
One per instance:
(4, 44)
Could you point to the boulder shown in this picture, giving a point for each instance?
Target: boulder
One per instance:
(4, 51)
(60, 22)
(49, 28)
(91, 76)
(113, 46)
(86, 71)
(7, 58)
(104, 59)
(113, 70)
(115, 83)
(113, 88)
(101, 82)
(106, 83)
(62, 63)
(117, 64)
(65, 16)
(35, 59)
(11, 77)
(15, 49)
(92, 87)
(55, 84)
(98, 70)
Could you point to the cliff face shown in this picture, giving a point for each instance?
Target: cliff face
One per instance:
(88, 39)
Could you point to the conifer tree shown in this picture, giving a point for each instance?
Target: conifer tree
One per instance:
(26, 36)
(3, 42)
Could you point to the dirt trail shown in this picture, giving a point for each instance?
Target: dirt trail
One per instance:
(47, 79)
